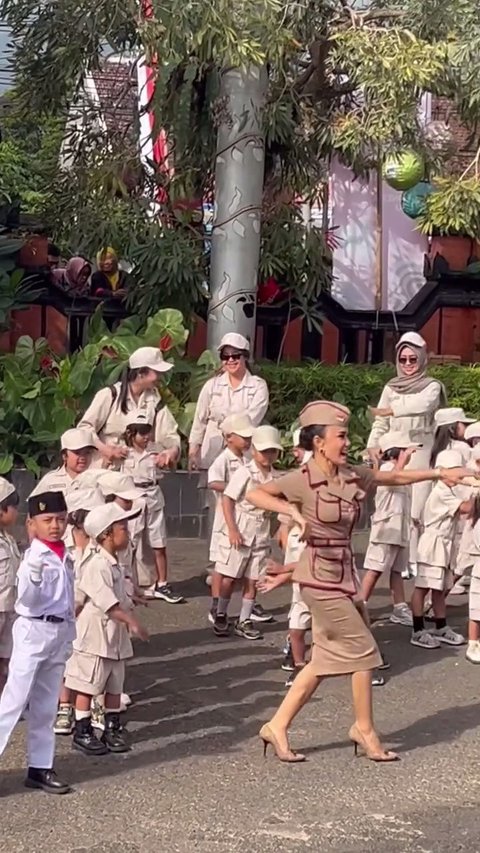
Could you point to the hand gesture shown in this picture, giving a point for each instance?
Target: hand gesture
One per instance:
(454, 476)
(270, 582)
(375, 455)
(115, 452)
(380, 413)
(274, 568)
(138, 630)
(194, 459)
(235, 537)
(298, 518)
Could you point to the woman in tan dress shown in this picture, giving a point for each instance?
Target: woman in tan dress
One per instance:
(324, 498)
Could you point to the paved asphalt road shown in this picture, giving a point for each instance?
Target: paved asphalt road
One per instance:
(196, 779)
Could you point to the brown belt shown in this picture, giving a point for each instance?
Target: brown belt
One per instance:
(328, 543)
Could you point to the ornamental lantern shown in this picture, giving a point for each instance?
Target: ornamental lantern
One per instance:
(440, 138)
(403, 170)
(414, 200)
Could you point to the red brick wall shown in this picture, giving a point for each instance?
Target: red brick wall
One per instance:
(465, 146)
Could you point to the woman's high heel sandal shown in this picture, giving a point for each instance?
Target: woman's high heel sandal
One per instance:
(288, 755)
(373, 751)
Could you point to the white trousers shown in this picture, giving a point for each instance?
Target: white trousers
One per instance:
(40, 651)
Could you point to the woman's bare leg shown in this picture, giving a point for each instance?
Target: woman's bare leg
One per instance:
(300, 692)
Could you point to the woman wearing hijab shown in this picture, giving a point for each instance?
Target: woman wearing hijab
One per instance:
(109, 280)
(74, 277)
(407, 405)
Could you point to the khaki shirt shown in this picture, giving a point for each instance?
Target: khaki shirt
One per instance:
(390, 523)
(108, 423)
(221, 471)
(9, 563)
(413, 415)
(440, 519)
(331, 507)
(253, 523)
(101, 584)
(55, 481)
(218, 399)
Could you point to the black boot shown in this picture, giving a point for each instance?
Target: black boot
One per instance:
(114, 735)
(46, 780)
(84, 738)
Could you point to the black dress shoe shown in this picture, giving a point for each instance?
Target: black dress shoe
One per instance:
(85, 740)
(46, 780)
(114, 736)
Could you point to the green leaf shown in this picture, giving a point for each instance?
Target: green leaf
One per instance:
(6, 463)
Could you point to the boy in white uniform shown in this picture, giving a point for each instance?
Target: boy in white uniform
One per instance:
(237, 431)
(9, 563)
(97, 665)
(42, 639)
(244, 539)
(435, 547)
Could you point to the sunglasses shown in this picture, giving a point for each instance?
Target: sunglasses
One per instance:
(404, 359)
(230, 356)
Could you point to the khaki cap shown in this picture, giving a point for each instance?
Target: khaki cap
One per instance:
(102, 517)
(266, 438)
(120, 485)
(395, 439)
(139, 416)
(451, 415)
(150, 357)
(413, 339)
(77, 439)
(449, 459)
(239, 424)
(6, 489)
(83, 499)
(324, 413)
(234, 340)
(472, 431)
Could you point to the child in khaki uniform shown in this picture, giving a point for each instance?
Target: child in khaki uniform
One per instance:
(149, 532)
(237, 431)
(102, 645)
(9, 563)
(244, 539)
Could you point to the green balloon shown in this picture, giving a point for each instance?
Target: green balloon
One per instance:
(403, 170)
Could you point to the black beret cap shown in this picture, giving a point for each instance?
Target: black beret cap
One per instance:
(45, 503)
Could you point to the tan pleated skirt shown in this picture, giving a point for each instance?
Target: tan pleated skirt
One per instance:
(342, 642)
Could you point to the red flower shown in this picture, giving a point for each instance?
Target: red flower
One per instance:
(268, 291)
(109, 352)
(166, 343)
(46, 363)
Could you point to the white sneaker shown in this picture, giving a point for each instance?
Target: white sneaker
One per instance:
(458, 588)
(450, 637)
(125, 699)
(402, 615)
(473, 651)
(425, 640)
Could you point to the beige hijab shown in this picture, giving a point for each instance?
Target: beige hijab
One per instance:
(419, 381)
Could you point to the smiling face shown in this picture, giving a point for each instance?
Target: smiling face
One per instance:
(108, 263)
(333, 446)
(408, 361)
(233, 361)
(77, 461)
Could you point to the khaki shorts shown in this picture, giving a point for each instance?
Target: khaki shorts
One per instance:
(6, 641)
(433, 577)
(93, 675)
(386, 558)
(474, 599)
(299, 617)
(248, 561)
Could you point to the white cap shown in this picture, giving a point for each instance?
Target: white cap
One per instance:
(83, 499)
(6, 489)
(266, 438)
(239, 424)
(412, 338)
(232, 339)
(449, 459)
(100, 518)
(472, 431)
(77, 439)
(452, 415)
(395, 439)
(296, 438)
(149, 357)
(120, 485)
(139, 416)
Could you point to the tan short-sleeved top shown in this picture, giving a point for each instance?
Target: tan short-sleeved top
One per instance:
(252, 522)
(101, 584)
(331, 507)
(9, 563)
(440, 520)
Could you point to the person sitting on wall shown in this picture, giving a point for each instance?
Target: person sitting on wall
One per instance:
(109, 281)
(74, 278)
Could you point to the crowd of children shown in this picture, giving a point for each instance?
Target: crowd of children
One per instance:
(98, 549)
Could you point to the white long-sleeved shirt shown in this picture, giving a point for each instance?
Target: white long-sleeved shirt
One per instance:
(413, 414)
(53, 593)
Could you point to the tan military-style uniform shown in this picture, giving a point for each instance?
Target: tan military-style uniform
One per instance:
(9, 563)
(341, 641)
(221, 471)
(436, 543)
(108, 423)
(254, 525)
(57, 480)
(216, 400)
(390, 528)
(141, 467)
(102, 645)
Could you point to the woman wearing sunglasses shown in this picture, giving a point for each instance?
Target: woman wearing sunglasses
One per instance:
(232, 390)
(407, 405)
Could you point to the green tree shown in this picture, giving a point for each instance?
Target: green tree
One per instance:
(341, 80)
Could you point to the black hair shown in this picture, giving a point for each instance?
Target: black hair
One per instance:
(308, 433)
(10, 500)
(474, 514)
(392, 454)
(77, 518)
(52, 249)
(109, 499)
(132, 430)
(128, 376)
(443, 436)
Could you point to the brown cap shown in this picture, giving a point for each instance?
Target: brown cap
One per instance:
(324, 413)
